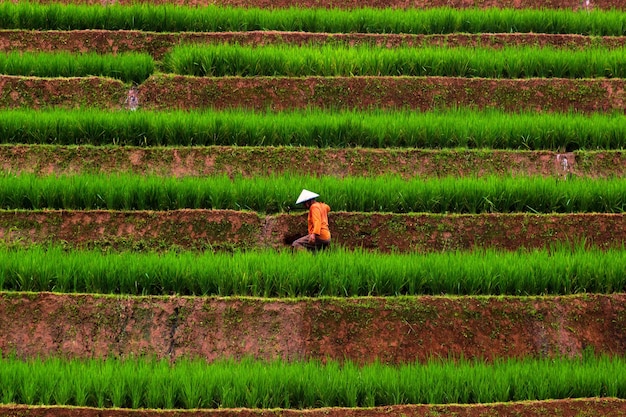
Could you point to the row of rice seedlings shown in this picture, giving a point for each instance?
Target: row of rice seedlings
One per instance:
(276, 193)
(337, 272)
(455, 128)
(170, 18)
(190, 384)
(128, 67)
(339, 60)
(325, 60)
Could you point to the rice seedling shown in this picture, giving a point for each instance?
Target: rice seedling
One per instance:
(128, 67)
(170, 18)
(299, 384)
(271, 194)
(338, 272)
(314, 127)
(217, 60)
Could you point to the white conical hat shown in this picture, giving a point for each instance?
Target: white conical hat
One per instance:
(306, 195)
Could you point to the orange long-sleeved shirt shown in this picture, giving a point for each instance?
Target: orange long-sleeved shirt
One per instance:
(318, 220)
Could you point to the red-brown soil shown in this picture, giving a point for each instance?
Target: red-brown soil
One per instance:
(264, 161)
(165, 92)
(419, 93)
(391, 330)
(596, 407)
(224, 229)
(35, 92)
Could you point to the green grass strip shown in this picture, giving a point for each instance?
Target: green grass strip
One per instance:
(128, 67)
(340, 60)
(170, 18)
(277, 193)
(317, 128)
(339, 273)
(187, 384)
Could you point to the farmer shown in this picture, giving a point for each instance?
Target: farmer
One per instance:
(319, 233)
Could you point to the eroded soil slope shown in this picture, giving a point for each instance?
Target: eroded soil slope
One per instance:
(392, 330)
(225, 229)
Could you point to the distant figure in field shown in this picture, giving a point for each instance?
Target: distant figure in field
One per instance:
(132, 99)
(319, 233)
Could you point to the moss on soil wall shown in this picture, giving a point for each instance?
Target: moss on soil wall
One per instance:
(365, 329)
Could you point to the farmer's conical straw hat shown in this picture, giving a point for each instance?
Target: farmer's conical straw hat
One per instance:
(306, 195)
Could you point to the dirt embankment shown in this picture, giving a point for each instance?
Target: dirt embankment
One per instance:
(337, 162)
(419, 93)
(391, 330)
(166, 92)
(228, 230)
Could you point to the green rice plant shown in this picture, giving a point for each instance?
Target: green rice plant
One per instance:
(338, 272)
(314, 128)
(299, 384)
(128, 67)
(217, 60)
(171, 18)
(118, 390)
(161, 391)
(8, 390)
(101, 386)
(27, 388)
(275, 193)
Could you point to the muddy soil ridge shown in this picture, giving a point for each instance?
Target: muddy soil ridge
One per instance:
(202, 230)
(390, 330)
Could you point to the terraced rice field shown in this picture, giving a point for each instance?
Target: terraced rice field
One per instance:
(472, 153)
